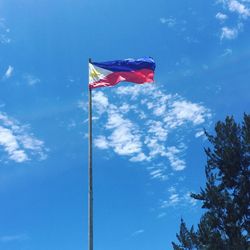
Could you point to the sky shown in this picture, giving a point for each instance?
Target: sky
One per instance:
(148, 140)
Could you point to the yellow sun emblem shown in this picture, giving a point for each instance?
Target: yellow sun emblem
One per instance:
(93, 73)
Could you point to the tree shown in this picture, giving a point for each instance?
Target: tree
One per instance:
(226, 197)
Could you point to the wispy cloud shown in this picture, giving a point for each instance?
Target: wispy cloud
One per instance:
(11, 146)
(161, 215)
(227, 52)
(229, 33)
(82, 105)
(177, 198)
(183, 111)
(191, 201)
(140, 122)
(170, 22)
(4, 32)
(100, 102)
(241, 9)
(139, 157)
(173, 154)
(199, 133)
(101, 142)
(19, 145)
(31, 79)
(138, 232)
(11, 238)
(220, 16)
(125, 136)
(8, 72)
(158, 172)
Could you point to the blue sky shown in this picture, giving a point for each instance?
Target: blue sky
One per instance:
(148, 140)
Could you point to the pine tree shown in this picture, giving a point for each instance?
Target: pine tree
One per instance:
(186, 237)
(226, 197)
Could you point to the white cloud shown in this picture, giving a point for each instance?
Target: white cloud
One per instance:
(8, 72)
(125, 139)
(158, 173)
(101, 142)
(136, 233)
(163, 20)
(4, 39)
(189, 199)
(82, 105)
(199, 133)
(172, 189)
(172, 201)
(29, 142)
(116, 120)
(125, 108)
(229, 33)
(11, 146)
(241, 9)
(140, 157)
(31, 79)
(19, 145)
(178, 198)
(169, 21)
(155, 148)
(4, 32)
(184, 111)
(132, 91)
(220, 16)
(140, 121)
(227, 52)
(161, 215)
(157, 129)
(173, 155)
(100, 101)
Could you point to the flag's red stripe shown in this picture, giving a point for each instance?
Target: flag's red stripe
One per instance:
(139, 76)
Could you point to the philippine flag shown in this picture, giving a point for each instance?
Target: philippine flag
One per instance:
(130, 70)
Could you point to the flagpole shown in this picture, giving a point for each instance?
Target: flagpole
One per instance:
(90, 192)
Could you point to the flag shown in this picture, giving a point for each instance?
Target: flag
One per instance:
(130, 70)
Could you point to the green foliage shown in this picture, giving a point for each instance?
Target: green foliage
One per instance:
(226, 197)
(186, 237)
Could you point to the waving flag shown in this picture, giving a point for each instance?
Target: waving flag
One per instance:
(130, 70)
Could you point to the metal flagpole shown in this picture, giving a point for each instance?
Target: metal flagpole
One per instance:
(90, 193)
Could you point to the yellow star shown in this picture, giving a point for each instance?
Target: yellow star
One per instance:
(94, 73)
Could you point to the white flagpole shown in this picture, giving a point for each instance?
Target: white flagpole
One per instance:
(90, 171)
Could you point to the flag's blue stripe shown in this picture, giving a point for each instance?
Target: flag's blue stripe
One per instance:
(127, 64)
